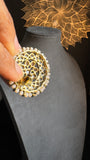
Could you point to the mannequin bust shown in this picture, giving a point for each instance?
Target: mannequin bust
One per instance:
(51, 125)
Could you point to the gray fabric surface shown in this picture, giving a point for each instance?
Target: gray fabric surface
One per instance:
(52, 125)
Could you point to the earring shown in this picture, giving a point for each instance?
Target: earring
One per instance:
(36, 70)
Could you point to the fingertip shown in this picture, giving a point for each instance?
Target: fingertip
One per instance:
(16, 74)
(19, 72)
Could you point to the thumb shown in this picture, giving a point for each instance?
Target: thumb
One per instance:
(9, 69)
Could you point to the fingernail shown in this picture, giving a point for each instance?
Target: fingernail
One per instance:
(19, 70)
(16, 43)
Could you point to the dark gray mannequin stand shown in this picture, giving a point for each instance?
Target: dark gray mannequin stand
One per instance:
(51, 125)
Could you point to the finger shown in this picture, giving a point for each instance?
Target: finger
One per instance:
(9, 69)
(7, 30)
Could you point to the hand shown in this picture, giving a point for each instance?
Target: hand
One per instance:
(9, 46)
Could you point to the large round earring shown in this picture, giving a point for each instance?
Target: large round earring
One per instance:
(36, 70)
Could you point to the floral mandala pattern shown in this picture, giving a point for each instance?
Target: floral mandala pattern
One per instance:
(70, 16)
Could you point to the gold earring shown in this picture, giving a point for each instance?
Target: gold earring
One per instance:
(36, 71)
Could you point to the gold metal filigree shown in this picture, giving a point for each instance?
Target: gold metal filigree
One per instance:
(70, 16)
(36, 71)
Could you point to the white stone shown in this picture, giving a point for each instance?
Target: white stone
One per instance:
(38, 92)
(17, 90)
(27, 48)
(47, 77)
(48, 66)
(49, 74)
(42, 89)
(43, 54)
(26, 94)
(31, 48)
(46, 82)
(23, 48)
(11, 82)
(27, 72)
(21, 93)
(30, 94)
(36, 49)
(14, 86)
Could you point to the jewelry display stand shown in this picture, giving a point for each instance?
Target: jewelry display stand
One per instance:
(52, 125)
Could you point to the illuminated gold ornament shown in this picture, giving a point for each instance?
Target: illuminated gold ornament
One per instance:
(36, 71)
(70, 16)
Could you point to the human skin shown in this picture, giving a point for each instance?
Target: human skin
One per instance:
(9, 46)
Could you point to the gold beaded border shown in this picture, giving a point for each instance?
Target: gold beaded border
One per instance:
(45, 83)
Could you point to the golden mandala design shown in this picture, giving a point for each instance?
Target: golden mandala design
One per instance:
(72, 17)
(36, 71)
